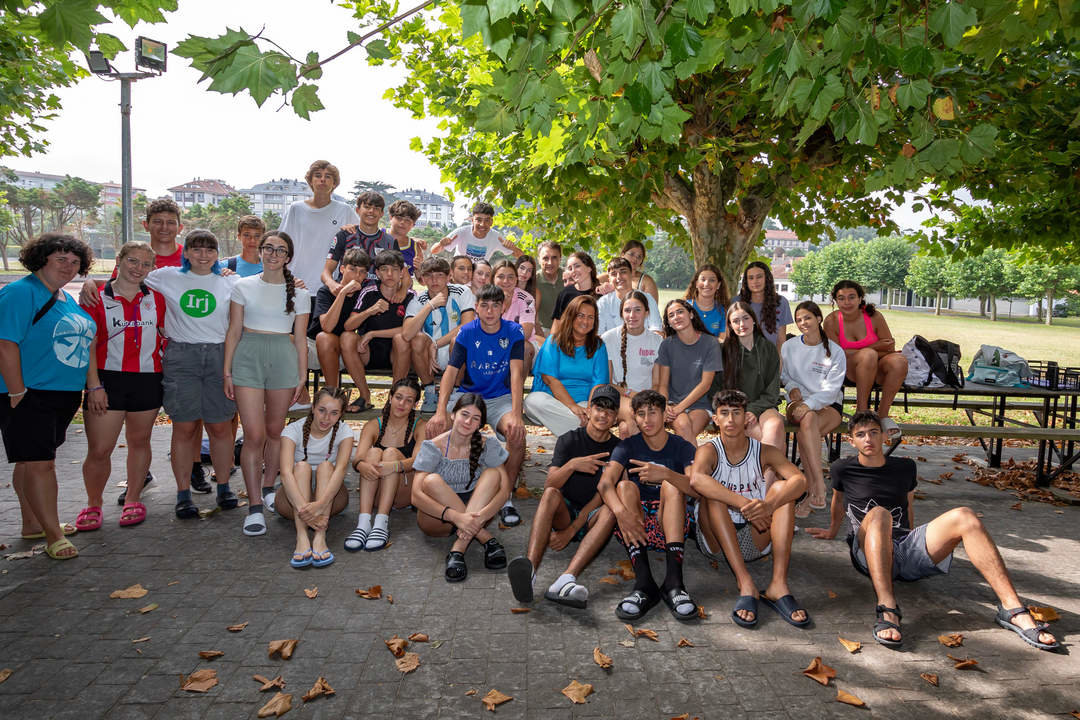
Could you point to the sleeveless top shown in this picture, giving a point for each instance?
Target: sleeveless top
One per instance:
(743, 478)
(408, 447)
(870, 339)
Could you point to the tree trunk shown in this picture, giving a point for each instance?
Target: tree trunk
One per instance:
(982, 306)
(937, 303)
(993, 308)
(3, 250)
(1049, 307)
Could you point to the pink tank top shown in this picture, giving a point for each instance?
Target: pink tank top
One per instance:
(870, 339)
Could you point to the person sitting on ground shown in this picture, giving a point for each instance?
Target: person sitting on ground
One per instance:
(689, 358)
(609, 306)
(747, 518)
(478, 239)
(645, 485)
(580, 279)
(432, 321)
(367, 235)
(487, 360)
(384, 458)
(327, 324)
(632, 352)
(876, 493)
(378, 320)
(570, 364)
(549, 283)
(706, 293)
(461, 268)
(770, 309)
(130, 322)
(481, 276)
(571, 509)
(872, 357)
(460, 482)
(634, 251)
(314, 459)
(752, 365)
(812, 372)
(518, 306)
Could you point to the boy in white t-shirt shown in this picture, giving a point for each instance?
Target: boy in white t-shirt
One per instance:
(478, 240)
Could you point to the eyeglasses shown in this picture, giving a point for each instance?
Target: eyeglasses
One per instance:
(136, 263)
(271, 250)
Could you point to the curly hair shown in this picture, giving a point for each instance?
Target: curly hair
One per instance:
(564, 336)
(371, 198)
(476, 443)
(732, 348)
(406, 382)
(162, 205)
(35, 254)
(290, 281)
(812, 307)
(852, 285)
(335, 393)
(695, 320)
(771, 302)
(404, 208)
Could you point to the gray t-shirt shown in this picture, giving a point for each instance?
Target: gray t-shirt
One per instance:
(687, 363)
(783, 317)
(455, 473)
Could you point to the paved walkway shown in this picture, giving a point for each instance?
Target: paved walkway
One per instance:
(72, 654)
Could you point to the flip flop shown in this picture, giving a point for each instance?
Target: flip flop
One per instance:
(745, 602)
(520, 572)
(891, 429)
(1029, 635)
(61, 544)
(784, 607)
(358, 406)
(565, 597)
(816, 506)
(89, 519)
(301, 560)
(68, 529)
(883, 624)
(640, 600)
(322, 559)
(132, 514)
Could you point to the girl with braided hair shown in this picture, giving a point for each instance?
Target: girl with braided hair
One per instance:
(632, 351)
(384, 458)
(314, 459)
(771, 309)
(266, 366)
(459, 485)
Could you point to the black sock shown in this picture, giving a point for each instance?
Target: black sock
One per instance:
(639, 561)
(674, 577)
(266, 491)
(255, 509)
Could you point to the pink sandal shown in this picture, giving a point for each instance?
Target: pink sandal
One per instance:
(89, 519)
(132, 514)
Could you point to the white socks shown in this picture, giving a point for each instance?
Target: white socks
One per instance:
(364, 522)
(579, 593)
(381, 521)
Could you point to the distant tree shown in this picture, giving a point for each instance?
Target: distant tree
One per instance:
(74, 199)
(384, 189)
(926, 276)
(840, 261)
(884, 263)
(796, 252)
(1048, 281)
(223, 218)
(987, 276)
(806, 275)
(670, 265)
(272, 220)
(8, 221)
(863, 233)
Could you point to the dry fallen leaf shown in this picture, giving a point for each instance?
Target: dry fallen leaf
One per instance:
(321, 687)
(389, 597)
(312, 593)
(963, 663)
(629, 628)
(951, 640)
(283, 648)
(268, 684)
(470, 693)
(930, 678)
(277, 706)
(626, 643)
(522, 493)
(1075, 713)
(819, 671)
(200, 681)
(397, 645)
(5, 674)
(130, 593)
(852, 646)
(651, 634)
(372, 593)
(141, 640)
(849, 699)
(520, 610)
(577, 692)
(149, 608)
(210, 654)
(237, 628)
(609, 580)
(832, 595)
(418, 637)
(174, 582)
(1043, 614)
(601, 659)
(626, 570)
(683, 642)
(408, 662)
(493, 698)
(701, 612)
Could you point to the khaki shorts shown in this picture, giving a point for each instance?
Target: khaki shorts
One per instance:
(266, 361)
(194, 382)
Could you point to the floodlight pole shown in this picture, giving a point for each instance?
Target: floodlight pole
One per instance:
(126, 214)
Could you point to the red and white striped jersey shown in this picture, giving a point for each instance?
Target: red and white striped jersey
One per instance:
(128, 337)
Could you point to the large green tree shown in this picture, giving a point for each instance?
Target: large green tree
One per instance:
(926, 276)
(1048, 281)
(987, 276)
(883, 263)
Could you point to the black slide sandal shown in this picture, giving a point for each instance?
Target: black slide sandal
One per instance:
(639, 599)
(745, 602)
(784, 607)
(675, 597)
(456, 569)
(494, 555)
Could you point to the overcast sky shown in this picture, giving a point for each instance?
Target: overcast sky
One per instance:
(181, 131)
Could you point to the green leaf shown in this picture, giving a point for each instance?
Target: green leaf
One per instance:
(653, 77)
(109, 44)
(378, 50)
(739, 7)
(626, 25)
(305, 100)
(683, 41)
(261, 74)
(494, 117)
(940, 153)
(825, 99)
(917, 60)
(312, 60)
(913, 94)
(796, 58)
(639, 98)
(951, 20)
(149, 11)
(867, 128)
(700, 10)
(843, 120)
(70, 21)
(499, 9)
(474, 19)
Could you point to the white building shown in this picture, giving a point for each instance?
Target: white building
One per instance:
(784, 240)
(201, 192)
(436, 211)
(110, 192)
(278, 195)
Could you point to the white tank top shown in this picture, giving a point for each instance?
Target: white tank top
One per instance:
(743, 478)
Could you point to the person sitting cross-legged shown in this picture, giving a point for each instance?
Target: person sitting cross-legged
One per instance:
(876, 493)
(747, 518)
(645, 485)
(571, 508)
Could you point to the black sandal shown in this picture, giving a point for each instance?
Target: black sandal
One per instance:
(494, 555)
(509, 516)
(456, 569)
(358, 406)
(1029, 635)
(675, 597)
(883, 624)
(186, 510)
(640, 600)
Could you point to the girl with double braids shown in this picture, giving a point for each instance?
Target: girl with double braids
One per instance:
(458, 486)
(689, 358)
(570, 364)
(707, 294)
(384, 458)
(813, 375)
(313, 461)
(632, 352)
(580, 278)
(771, 310)
(266, 366)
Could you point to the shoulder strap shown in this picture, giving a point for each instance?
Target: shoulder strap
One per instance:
(44, 309)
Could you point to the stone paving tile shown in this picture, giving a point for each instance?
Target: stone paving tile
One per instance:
(71, 651)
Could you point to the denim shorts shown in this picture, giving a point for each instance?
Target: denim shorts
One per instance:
(911, 561)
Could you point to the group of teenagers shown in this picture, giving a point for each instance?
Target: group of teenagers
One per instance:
(625, 387)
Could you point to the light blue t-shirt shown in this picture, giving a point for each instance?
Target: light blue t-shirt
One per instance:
(243, 267)
(578, 374)
(55, 351)
(715, 320)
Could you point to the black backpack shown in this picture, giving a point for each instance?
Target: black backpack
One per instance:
(943, 357)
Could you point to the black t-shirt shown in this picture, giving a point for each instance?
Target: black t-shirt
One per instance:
(580, 488)
(677, 455)
(323, 300)
(392, 317)
(568, 293)
(866, 487)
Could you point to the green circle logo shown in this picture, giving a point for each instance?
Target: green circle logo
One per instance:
(198, 303)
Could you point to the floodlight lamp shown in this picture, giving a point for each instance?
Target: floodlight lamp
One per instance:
(150, 54)
(98, 63)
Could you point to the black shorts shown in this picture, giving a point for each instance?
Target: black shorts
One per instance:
(838, 407)
(131, 391)
(379, 358)
(34, 428)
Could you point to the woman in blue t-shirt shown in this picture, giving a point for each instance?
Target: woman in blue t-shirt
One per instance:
(45, 361)
(572, 361)
(707, 293)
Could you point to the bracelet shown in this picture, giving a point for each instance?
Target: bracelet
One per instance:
(93, 389)
(442, 515)
(18, 394)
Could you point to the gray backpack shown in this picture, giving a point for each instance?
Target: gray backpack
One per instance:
(994, 365)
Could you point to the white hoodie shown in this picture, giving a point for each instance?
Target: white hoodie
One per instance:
(819, 379)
